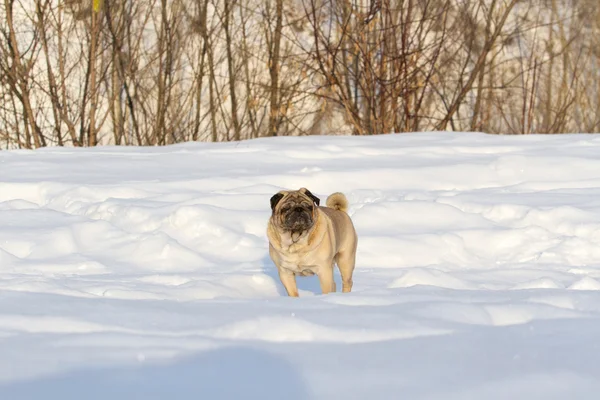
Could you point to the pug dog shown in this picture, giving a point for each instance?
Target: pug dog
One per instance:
(307, 239)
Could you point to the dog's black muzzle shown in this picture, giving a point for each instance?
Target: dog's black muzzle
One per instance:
(298, 219)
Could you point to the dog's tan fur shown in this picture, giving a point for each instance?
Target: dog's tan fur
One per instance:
(331, 239)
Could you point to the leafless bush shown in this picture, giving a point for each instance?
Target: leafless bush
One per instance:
(155, 72)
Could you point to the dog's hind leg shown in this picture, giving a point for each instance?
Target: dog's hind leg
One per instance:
(345, 262)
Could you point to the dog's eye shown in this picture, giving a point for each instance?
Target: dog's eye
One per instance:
(285, 209)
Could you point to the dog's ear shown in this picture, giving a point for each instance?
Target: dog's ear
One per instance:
(276, 199)
(312, 196)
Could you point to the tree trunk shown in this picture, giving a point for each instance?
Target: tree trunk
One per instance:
(274, 104)
(232, 72)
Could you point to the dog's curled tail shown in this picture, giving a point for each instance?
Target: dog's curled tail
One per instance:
(337, 201)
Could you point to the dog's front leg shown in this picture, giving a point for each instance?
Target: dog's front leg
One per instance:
(326, 279)
(288, 279)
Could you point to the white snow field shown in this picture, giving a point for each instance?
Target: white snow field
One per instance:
(143, 273)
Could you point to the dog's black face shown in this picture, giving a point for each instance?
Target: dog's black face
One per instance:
(297, 216)
(295, 211)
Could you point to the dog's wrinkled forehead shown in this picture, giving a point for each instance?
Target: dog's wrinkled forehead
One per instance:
(296, 196)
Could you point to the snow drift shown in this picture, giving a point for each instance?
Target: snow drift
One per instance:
(144, 272)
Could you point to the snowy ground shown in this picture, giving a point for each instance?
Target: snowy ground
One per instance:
(143, 273)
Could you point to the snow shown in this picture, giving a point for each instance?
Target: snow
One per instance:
(143, 273)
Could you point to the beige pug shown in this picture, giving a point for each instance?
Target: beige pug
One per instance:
(306, 239)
